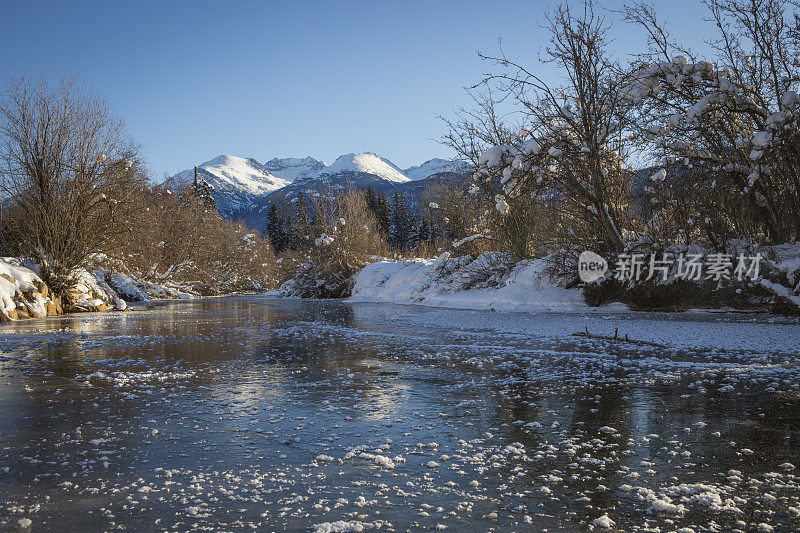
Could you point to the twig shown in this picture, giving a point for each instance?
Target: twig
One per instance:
(616, 337)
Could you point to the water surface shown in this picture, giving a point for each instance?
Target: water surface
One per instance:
(255, 413)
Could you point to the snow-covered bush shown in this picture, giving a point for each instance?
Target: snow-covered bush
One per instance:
(128, 288)
(559, 175)
(730, 122)
(571, 156)
(465, 273)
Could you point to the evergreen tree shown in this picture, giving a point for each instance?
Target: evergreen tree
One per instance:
(276, 229)
(372, 200)
(301, 226)
(413, 236)
(402, 224)
(204, 193)
(424, 231)
(384, 213)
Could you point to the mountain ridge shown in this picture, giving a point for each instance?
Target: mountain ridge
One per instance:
(243, 187)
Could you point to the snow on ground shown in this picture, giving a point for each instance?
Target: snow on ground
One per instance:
(23, 294)
(417, 281)
(487, 282)
(128, 288)
(93, 291)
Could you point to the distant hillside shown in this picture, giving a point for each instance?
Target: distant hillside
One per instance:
(243, 188)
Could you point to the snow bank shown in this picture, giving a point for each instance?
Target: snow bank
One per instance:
(131, 289)
(92, 293)
(101, 289)
(22, 292)
(781, 292)
(492, 281)
(128, 288)
(525, 286)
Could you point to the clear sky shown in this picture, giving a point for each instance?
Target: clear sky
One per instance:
(195, 79)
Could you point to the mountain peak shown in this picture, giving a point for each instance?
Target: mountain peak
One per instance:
(364, 163)
(233, 174)
(243, 187)
(294, 168)
(433, 166)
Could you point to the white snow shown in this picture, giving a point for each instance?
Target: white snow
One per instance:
(493, 157)
(232, 174)
(531, 146)
(126, 287)
(465, 240)
(781, 291)
(15, 279)
(603, 522)
(293, 168)
(368, 163)
(527, 288)
(338, 527)
(434, 166)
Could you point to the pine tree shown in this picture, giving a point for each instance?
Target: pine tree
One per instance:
(276, 229)
(384, 213)
(413, 236)
(301, 225)
(372, 200)
(424, 231)
(402, 225)
(204, 193)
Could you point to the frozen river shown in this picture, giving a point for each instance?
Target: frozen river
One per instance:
(256, 413)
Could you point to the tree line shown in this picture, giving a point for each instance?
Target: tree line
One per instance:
(403, 227)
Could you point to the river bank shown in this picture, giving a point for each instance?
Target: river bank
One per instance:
(493, 281)
(23, 294)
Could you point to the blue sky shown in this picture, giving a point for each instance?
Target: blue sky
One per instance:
(277, 79)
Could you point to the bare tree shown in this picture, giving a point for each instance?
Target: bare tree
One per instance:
(181, 240)
(573, 154)
(347, 232)
(69, 173)
(474, 130)
(463, 210)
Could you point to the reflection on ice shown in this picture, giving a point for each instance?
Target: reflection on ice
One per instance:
(256, 413)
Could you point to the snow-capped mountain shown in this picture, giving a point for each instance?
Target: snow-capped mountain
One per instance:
(229, 174)
(366, 163)
(357, 171)
(235, 181)
(294, 168)
(243, 188)
(434, 166)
